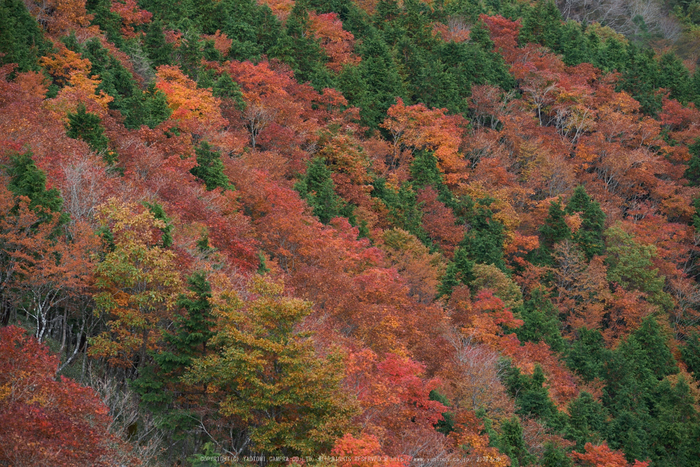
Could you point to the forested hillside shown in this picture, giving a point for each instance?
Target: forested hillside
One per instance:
(350, 233)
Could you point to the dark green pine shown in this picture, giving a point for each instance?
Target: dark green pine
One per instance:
(540, 322)
(158, 49)
(483, 241)
(459, 271)
(158, 384)
(510, 442)
(300, 50)
(674, 77)
(87, 127)
(26, 179)
(210, 168)
(690, 351)
(588, 354)
(553, 231)
(587, 421)
(318, 189)
(21, 40)
(590, 234)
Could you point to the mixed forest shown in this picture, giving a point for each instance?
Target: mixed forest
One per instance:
(350, 233)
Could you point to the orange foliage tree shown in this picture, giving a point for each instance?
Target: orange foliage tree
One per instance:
(417, 127)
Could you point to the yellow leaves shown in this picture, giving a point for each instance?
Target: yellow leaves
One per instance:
(129, 222)
(138, 283)
(266, 287)
(5, 391)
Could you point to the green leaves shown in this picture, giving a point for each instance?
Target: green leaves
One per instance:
(318, 189)
(630, 265)
(209, 168)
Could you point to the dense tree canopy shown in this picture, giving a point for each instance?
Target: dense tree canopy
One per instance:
(293, 229)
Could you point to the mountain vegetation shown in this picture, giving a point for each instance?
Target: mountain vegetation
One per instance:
(350, 233)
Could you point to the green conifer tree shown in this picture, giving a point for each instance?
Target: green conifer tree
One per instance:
(483, 241)
(158, 49)
(26, 179)
(210, 168)
(87, 127)
(590, 234)
(459, 271)
(587, 421)
(318, 189)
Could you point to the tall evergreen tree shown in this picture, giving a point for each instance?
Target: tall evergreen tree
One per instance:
(589, 236)
(318, 189)
(484, 239)
(159, 384)
(26, 179)
(21, 40)
(554, 230)
(87, 127)
(540, 322)
(459, 271)
(209, 168)
(158, 49)
(674, 76)
(588, 421)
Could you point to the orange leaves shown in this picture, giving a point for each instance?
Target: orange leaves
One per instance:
(418, 127)
(487, 318)
(603, 456)
(63, 63)
(186, 100)
(60, 17)
(469, 437)
(280, 8)
(337, 43)
(68, 68)
(364, 451)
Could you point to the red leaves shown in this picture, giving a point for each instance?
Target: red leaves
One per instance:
(395, 400)
(439, 221)
(44, 421)
(504, 34)
(131, 16)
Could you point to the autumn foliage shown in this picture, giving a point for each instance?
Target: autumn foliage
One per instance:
(422, 232)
